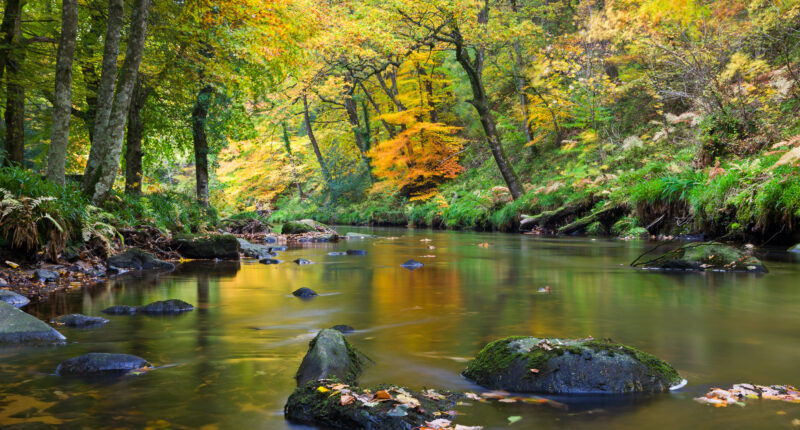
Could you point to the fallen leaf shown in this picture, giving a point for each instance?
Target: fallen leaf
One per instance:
(383, 395)
(322, 389)
(513, 419)
(508, 400)
(483, 245)
(347, 400)
(460, 427)
(407, 400)
(12, 264)
(534, 370)
(438, 423)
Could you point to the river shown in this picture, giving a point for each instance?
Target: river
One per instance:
(230, 363)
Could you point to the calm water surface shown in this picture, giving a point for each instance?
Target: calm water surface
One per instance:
(230, 363)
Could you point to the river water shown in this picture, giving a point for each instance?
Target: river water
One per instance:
(230, 363)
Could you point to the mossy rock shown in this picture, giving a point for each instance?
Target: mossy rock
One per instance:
(13, 299)
(322, 407)
(207, 247)
(795, 249)
(137, 259)
(705, 256)
(569, 366)
(17, 326)
(98, 364)
(302, 226)
(330, 355)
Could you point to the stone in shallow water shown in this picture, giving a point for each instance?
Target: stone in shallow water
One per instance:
(18, 327)
(412, 264)
(136, 259)
(46, 275)
(337, 253)
(356, 252)
(119, 310)
(330, 355)
(214, 246)
(343, 328)
(352, 235)
(98, 364)
(13, 299)
(303, 261)
(172, 306)
(270, 261)
(304, 292)
(79, 321)
(574, 366)
(705, 256)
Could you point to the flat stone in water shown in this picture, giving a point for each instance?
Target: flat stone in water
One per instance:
(412, 264)
(270, 261)
(98, 364)
(356, 252)
(303, 261)
(13, 299)
(352, 235)
(137, 259)
(172, 306)
(337, 253)
(304, 292)
(119, 310)
(17, 326)
(79, 321)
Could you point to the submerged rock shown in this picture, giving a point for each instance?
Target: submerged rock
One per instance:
(707, 256)
(333, 405)
(303, 261)
(270, 261)
(172, 306)
(351, 235)
(304, 292)
(795, 249)
(337, 253)
(13, 299)
(343, 328)
(79, 321)
(136, 259)
(412, 264)
(119, 310)
(98, 364)
(46, 275)
(330, 355)
(18, 327)
(219, 246)
(533, 365)
(356, 252)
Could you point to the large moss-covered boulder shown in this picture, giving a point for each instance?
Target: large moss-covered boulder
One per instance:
(330, 355)
(302, 226)
(706, 256)
(18, 327)
(207, 247)
(137, 259)
(99, 364)
(253, 250)
(333, 405)
(533, 365)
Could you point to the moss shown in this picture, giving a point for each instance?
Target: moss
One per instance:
(494, 358)
(660, 368)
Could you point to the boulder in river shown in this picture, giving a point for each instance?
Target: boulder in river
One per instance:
(304, 293)
(330, 355)
(569, 366)
(356, 252)
(119, 310)
(705, 256)
(795, 249)
(100, 364)
(17, 326)
(172, 306)
(137, 259)
(303, 261)
(303, 226)
(253, 250)
(208, 247)
(79, 321)
(333, 405)
(46, 275)
(13, 299)
(411, 264)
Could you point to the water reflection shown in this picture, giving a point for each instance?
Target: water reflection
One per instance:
(230, 363)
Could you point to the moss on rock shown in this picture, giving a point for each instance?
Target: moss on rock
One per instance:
(704, 256)
(330, 355)
(213, 246)
(533, 365)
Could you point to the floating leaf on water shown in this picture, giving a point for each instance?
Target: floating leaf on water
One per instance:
(472, 396)
(796, 422)
(495, 394)
(513, 419)
(439, 423)
(534, 370)
(483, 245)
(508, 400)
(460, 427)
(432, 394)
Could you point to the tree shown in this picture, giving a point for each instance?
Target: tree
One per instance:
(12, 55)
(199, 116)
(62, 104)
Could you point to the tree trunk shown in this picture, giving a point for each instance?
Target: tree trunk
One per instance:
(133, 145)
(104, 96)
(481, 103)
(62, 104)
(326, 175)
(113, 136)
(519, 80)
(11, 57)
(199, 115)
(351, 108)
(288, 144)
